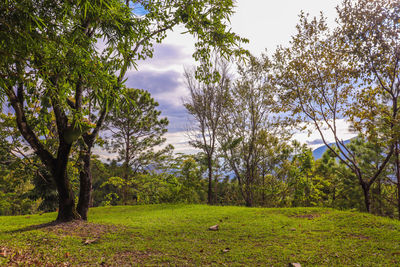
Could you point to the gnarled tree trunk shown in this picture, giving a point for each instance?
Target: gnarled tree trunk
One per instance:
(66, 202)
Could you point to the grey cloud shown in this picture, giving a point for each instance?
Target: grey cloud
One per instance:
(154, 82)
(165, 55)
(315, 142)
(163, 88)
(178, 118)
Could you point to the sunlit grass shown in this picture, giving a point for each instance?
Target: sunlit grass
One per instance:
(179, 235)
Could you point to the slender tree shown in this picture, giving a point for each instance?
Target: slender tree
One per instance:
(137, 131)
(206, 104)
(245, 119)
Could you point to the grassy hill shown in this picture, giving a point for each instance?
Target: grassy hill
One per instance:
(179, 235)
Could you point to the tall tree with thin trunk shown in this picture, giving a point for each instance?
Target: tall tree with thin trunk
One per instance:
(206, 104)
(248, 116)
(136, 134)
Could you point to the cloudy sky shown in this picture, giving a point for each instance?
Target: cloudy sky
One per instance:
(266, 23)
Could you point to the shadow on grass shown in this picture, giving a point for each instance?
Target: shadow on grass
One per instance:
(33, 227)
(76, 228)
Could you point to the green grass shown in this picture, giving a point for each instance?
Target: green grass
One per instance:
(179, 235)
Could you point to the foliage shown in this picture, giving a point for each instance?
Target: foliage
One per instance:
(15, 172)
(137, 131)
(63, 73)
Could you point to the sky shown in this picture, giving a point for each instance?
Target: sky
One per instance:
(266, 23)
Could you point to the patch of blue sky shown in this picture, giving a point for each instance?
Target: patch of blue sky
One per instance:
(138, 9)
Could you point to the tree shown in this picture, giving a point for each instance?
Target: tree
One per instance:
(136, 131)
(51, 67)
(248, 113)
(307, 187)
(328, 168)
(189, 171)
(273, 166)
(371, 32)
(206, 103)
(323, 83)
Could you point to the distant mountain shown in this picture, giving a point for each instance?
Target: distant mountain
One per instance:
(317, 153)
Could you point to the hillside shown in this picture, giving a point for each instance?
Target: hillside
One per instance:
(318, 152)
(179, 235)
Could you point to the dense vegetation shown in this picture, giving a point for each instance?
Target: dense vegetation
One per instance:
(62, 96)
(179, 235)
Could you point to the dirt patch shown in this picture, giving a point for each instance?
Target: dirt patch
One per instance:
(82, 229)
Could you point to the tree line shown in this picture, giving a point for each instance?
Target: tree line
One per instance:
(326, 74)
(63, 79)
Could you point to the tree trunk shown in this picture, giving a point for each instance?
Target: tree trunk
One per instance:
(66, 202)
(379, 197)
(249, 196)
(367, 200)
(249, 200)
(210, 191)
(397, 164)
(263, 189)
(85, 177)
(215, 193)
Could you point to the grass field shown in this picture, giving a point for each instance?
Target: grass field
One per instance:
(179, 235)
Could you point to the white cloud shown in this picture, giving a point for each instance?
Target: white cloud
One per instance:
(312, 136)
(103, 154)
(180, 141)
(268, 24)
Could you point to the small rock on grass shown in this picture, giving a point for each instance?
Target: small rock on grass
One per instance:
(226, 250)
(214, 228)
(89, 241)
(294, 264)
(3, 252)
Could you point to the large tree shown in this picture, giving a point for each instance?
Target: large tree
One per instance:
(349, 73)
(53, 67)
(371, 33)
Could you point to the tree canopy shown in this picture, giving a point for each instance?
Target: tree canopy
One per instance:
(54, 71)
